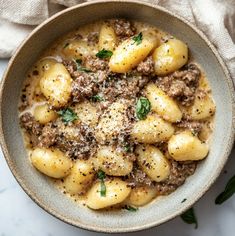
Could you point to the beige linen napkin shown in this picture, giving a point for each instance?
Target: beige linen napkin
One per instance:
(216, 18)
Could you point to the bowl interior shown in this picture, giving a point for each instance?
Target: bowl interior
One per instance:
(162, 209)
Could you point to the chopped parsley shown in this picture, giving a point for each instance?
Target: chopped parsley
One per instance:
(80, 67)
(101, 176)
(138, 38)
(104, 54)
(189, 217)
(68, 115)
(143, 107)
(132, 209)
(97, 98)
(128, 148)
(227, 193)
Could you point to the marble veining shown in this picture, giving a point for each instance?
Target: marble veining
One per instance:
(20, 216)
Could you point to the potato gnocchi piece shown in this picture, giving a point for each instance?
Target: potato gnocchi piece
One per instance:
(111, 122)
(88, 113)
(203, 107)
(107, 38)
(186, 147)
(152, 162)
(152, 130)
(130, 53)
(80, 177)
(43, 114)
(78, 49)
(162, 104)
(140, 196)
(45, 64)
(170, 56)
(112, 161)
(116, 192)
(56, 85)
(51, 162)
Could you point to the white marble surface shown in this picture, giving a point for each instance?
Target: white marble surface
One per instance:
(20, 216)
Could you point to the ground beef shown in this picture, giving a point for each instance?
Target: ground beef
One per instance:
(138, 178)
(76, 141)
(84, 86)
(178, 174)
(95, 64)
(71, 68)
(181, 84)
(125, 86)
(194, 126)
(123, 28)
(31, 126)
(28, 122)
(48, 136)
(146, 67)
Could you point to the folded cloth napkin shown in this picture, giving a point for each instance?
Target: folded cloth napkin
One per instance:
(216, 18)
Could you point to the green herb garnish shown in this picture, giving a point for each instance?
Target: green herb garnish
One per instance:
(143, 107)
(68, 115)
(104, 54)
(97, 98)
(132, 209)
(128, 148)
(101, 177)
(138, 38)
(66, 45)
(80, 67)
(227, 193)
(189, 217)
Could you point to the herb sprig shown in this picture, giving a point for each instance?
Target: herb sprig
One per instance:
(131, 208)
(138, 38)
(97, 98)
(68, 115)
(80, 67)
(227, 193)
(143, 107)
(189, 217)
(101, 177)
(104, 54)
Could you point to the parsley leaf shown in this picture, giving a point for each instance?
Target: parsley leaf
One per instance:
(104, 53)
(138, 38)
(227, 193)
(189, 217)
(80, 67)
(66, 45)
(97, 98)
(101, 177)
(143, 107)
(132, 209)
(68, 115)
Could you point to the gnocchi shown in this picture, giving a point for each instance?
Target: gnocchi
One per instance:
(56, 85)
(130, 53)
(116, 192)
(107, 38)
(170, 56)
(140, 196)
(153, 162)
(186, 147)
(43, 114)
(162, 104)
(112, 161)
(152, 130)
(80, 177)
(50, 162)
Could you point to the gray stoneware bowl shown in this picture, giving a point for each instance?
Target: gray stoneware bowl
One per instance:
(161, 210)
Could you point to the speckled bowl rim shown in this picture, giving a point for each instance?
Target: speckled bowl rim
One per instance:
(140, 227)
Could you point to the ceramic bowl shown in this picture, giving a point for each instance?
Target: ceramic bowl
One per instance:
(162, 209)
